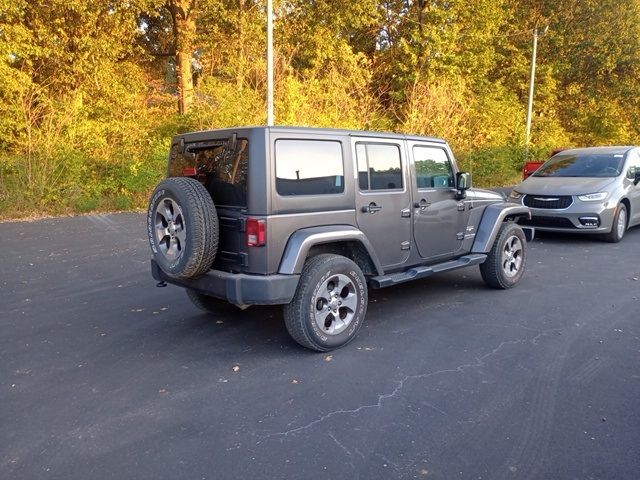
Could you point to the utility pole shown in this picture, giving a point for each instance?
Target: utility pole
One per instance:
(533, 78)
(270, 116)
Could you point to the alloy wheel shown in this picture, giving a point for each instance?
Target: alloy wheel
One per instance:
(170, 229)
(335, 303)
(621, 226)
(512, 256)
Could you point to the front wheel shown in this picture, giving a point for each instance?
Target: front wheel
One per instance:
(329, 305)
(619, 225)
(507, 259)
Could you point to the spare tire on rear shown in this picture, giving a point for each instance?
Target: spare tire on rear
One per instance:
(182, 225)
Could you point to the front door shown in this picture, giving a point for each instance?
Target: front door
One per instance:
(382, 198)
(438, 217)
(633, 166)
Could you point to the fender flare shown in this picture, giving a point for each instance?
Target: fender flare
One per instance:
(492, 219)
(299, 244)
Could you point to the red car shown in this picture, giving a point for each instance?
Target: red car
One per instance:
(530, 167)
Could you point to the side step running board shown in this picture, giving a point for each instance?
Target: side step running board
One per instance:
(382, 281)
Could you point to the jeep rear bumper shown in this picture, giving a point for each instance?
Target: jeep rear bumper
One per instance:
(237, 288)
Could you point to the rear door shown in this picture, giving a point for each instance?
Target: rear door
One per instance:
(223, 169)
(439, 219)
(382, 198)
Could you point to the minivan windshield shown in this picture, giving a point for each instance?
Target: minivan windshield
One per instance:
(582, 165)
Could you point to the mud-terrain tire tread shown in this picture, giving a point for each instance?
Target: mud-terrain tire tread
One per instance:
(294, 315)
(491, 269)
(201, 223)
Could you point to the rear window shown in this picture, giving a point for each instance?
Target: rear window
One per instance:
(379, 166)
(309, 167)
(222, 168)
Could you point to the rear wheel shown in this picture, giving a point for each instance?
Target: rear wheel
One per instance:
(210, 304)
(507, 259)
(182, 225)
(619, 225)
(329, 305)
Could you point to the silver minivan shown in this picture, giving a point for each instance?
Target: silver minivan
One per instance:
(584, 190)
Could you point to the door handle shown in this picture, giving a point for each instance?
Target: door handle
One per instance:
(371, 208)
(422, 204)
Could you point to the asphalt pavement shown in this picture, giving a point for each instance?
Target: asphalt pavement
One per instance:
(105, 376)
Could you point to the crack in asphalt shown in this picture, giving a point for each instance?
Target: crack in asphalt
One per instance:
(340, 444)
(436, 409)
(480, 362)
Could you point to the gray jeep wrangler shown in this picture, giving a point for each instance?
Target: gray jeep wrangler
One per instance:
(312, 218)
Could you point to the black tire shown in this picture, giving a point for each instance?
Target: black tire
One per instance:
(182, 225)
(319, 298)
(620, 224)
(507, 260)
(210, 304)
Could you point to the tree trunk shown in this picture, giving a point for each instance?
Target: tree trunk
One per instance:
(240, 73)
(184, 13)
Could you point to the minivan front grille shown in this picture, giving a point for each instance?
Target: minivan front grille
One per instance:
(547, 222)
(548, 201)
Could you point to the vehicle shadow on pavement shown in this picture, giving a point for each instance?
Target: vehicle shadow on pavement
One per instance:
(261, 329)
(568, 238)
(192, 334)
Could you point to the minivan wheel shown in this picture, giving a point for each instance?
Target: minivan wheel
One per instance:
(182, 226)
(507, 259)
(619, 226)
(329, 305)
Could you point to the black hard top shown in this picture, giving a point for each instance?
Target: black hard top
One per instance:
(197, 136)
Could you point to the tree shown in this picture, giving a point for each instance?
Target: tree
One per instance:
(184, 14)
(88, 88)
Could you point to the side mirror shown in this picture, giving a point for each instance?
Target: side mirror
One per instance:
(463, 183)
(636, 180)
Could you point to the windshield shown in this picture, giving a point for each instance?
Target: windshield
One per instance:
(582, 165)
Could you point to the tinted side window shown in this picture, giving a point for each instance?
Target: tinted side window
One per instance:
(433, 169)
(309, 167)
(634, 165)
(379, 166)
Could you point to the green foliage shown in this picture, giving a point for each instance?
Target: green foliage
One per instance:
(440, 108)
(221, 104)
(88, 89)
(497, 166)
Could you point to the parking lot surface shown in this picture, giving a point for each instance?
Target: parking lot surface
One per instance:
(105, 376)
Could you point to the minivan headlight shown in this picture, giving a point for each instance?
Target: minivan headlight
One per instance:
(515, 195)
(593, 197)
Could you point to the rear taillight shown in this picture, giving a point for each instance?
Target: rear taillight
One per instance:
(256, 232)
(189, 171)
